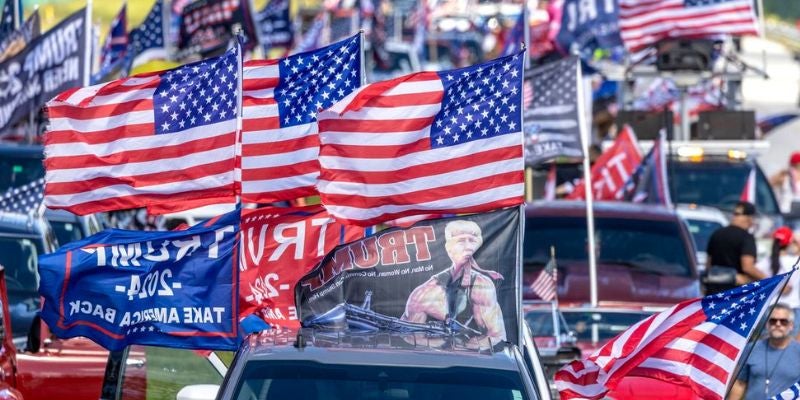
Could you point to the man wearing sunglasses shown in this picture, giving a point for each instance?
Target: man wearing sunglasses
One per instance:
(772, 365)
(734, 248)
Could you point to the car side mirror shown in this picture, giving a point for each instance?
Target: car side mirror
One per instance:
(198, 392)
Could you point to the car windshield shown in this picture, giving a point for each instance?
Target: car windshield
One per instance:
(19, 256)
(717, 184)
(271, 380)
(701, 231)
(609, 324)
(19, 171)
(645, 245)
(541, 322)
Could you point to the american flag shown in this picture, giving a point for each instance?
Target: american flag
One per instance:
(749, 190)
(645, 22)
(164, 140)
(516, 37)
(554, 119)
(791, 393)
(115, 46)
(7, 19)
(429, 142)
(545, 285)
(697, 343)
(23, 199)
(649, 183)
(147, 39)
(280, 144)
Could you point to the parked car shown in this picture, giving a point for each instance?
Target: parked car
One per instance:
(594, 327)
(314, 364)
(69, 227)
(645, 253)
(702, 221)
(48, 367)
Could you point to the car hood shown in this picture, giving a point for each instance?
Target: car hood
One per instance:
(616, 283)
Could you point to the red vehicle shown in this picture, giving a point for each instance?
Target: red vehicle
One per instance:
(645, 263)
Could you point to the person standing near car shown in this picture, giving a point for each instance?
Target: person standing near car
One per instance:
(772, 364)
(734, 247)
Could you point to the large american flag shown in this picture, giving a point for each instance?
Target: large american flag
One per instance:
(645, 22)
(444, 142)
(165, 140)
(697, 343)
(280, 145)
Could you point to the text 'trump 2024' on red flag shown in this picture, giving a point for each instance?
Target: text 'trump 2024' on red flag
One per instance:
(164, 140)
(281, 98)
(696, 344)
(445, 142)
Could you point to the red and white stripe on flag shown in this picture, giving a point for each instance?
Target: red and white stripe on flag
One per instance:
(159, 141)
(696, 343)
(281, 98)
(545, 285)
(749, 190)
(645, 22)
(446, 142)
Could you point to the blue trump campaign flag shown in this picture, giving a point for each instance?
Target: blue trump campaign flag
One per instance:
(171, 289)
(589, 25)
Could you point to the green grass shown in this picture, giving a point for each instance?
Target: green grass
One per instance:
(169, 370)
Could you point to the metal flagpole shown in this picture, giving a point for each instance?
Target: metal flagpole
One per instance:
(521, 235)
(363, 63)
(526, 32)
(18, 14)
(237, 170)
(587, 179)
(87, 57)
(166, 29)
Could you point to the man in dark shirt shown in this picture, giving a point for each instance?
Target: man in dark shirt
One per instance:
(735, 247)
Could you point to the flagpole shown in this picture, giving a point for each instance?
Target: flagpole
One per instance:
(363, 61)
(237, 170)
(526, 32)
(587, 179)
(87, 56)
(18, 14)
(520, 236)
(166, 28)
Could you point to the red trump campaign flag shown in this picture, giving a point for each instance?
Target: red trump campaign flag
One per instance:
(442, 142)
(645, 22)
(613, 168)
(696, 344)
(280, 145)
(165, 141)
(280, 246)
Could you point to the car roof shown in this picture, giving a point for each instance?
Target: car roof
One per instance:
(602, 209)
(388, 349)
(702, 213)
(21, 150)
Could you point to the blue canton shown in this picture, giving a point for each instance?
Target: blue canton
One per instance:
(738, 308)
(24, 199)
(480, 101)
(197, 94)
(701, 3)
(313, 81)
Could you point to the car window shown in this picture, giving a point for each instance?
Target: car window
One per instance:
(648, 246)
(701, 231)
(66, 231)
(609, 324)
(157, 373)
(18, 171)
(270, 380)
(541, 322)
(20, 258)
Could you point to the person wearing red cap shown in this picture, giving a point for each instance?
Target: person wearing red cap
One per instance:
(786, 183)
(781, 260)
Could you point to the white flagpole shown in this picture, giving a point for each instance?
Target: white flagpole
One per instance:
(587, 179)
(526, 32)
(166, 28)
(363, 68)
(237, 170)
(87, 56)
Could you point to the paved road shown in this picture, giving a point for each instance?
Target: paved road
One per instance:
(777, 94)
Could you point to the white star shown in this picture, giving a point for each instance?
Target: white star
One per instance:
(440, 140)
(743, 326)
(711, 305)
(207, 117)
(164, 126)
(164, 108)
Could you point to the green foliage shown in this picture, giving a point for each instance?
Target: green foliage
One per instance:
(787, 10)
